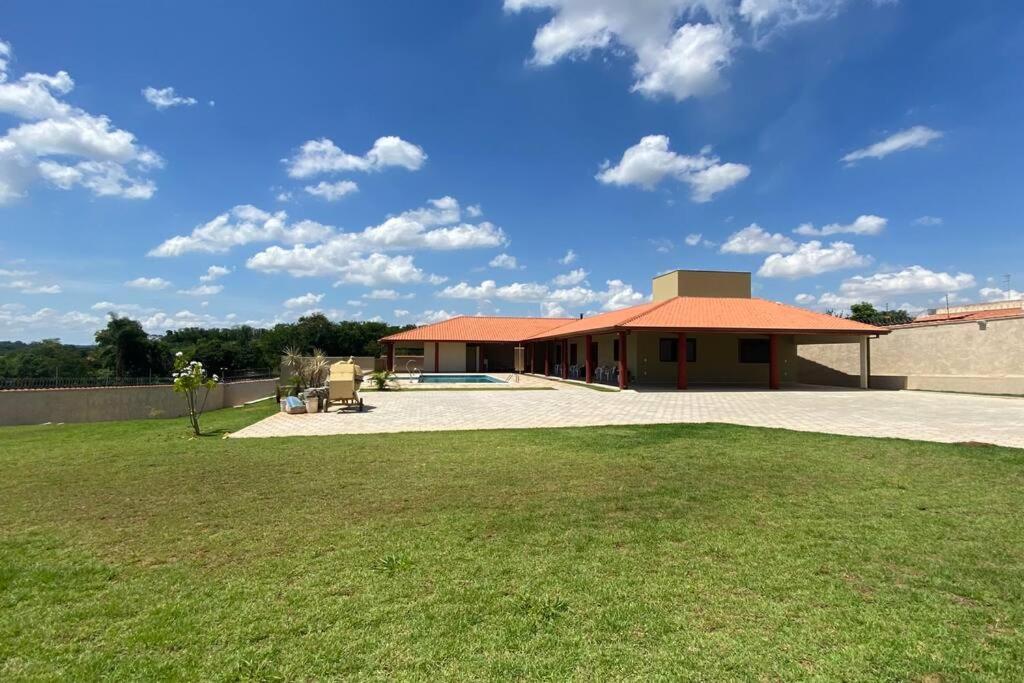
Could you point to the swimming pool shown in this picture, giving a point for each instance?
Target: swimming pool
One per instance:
(459, 379)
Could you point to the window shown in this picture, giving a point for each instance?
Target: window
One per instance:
(593, 352)
(572, 354)
(668, 350)
(615, 350)
(754, 351)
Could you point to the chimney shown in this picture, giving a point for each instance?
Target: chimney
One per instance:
(701, 283)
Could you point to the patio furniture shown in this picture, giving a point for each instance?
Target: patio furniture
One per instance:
(343, 384)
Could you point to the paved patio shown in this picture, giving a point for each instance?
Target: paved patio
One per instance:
(906, 414)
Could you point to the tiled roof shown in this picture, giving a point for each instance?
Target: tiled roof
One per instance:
(967, 316)
(717, 314)
(465, 328)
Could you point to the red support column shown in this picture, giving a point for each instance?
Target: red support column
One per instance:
(681, 372)
(547, 359)
(773, 361)
(437, 356)
(565, 359)
(390, 363)
(589, 361)
(623, 365)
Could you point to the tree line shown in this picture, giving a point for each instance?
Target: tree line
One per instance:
(124, 349)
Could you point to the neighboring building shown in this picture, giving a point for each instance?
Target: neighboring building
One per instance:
(706, 318)
(974, 348)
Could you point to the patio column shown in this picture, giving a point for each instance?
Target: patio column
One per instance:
(865, 362)
(565, 359)
(773, 361)
(547, 359)
(623, 365)
(589, 361)
(390, 362)
(681, 370)
(437, 356)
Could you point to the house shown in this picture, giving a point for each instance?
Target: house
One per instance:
(971, 348)
(707, 319)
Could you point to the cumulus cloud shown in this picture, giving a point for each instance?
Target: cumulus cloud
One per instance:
(304, 301)
(999, 294)
(504, 261)
(214, 273)
(386, 295)
(570, 257)
(332, 192)
(573, 277)
(202, 290)
(243, 224)
(650, 161)
(863, 225)
(162, 98)
(812, 258)
(435, 227)
(323, 156)
(678, 48)
(63, 145)
(754, 239)
(805, 299)
(148, 283)
(617, 294)
(911, 138)
(911, 280)
(693, 239)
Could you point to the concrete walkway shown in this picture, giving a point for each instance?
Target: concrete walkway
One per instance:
(904, 414)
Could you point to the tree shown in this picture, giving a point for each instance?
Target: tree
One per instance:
(124, 347)
(190, 379)
(865, 312)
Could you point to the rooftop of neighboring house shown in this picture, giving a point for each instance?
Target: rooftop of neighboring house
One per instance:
(989, 310)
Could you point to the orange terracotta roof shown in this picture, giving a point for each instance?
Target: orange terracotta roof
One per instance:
(466, 328)
(962, 316)
(717, 314)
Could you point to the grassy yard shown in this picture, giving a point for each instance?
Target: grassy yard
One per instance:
(128, 550)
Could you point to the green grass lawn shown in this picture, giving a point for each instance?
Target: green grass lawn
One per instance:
(128, 550)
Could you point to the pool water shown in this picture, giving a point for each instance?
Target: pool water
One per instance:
(459, 379)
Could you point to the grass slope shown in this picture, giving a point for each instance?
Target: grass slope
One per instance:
(128, 550)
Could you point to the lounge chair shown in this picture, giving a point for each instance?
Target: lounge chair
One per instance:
(343, 385)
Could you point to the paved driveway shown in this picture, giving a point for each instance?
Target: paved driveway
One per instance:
(907, 414)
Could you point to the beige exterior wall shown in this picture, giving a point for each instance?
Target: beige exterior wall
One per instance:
(944, 357)
(717, 361)
(100, 404)
(452, 357)
(701, 283)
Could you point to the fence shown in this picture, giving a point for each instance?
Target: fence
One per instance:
(11, 383)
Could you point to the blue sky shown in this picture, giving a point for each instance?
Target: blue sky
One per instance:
(410, 160)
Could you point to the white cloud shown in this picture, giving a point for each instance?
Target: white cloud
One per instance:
(474, 211)
(662, 245)
(650, 161)
(805, 299)
(241, 225)
(214, 273)
(753, 239)
(64, 145)
(553, 301)
(999, 294)
(386, 295)
(401, 313)
(570, 257)
(202, 290)
(332, 192)
(148, 283)
(427, 317)
(910, 280)
(504, 261)
(323, 156)
(678, 48)
(928, 221)
(863, 225)
(693, 239)
(162, 98)
(811, 258)
(436, 227)
(45, 322)
(573, 277)
(28, 287)
(911, 138)
(305, 301)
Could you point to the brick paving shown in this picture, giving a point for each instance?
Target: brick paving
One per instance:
(905, 414)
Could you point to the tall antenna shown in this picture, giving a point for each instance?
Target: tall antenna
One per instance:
(947, 305)
(1006, 285)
